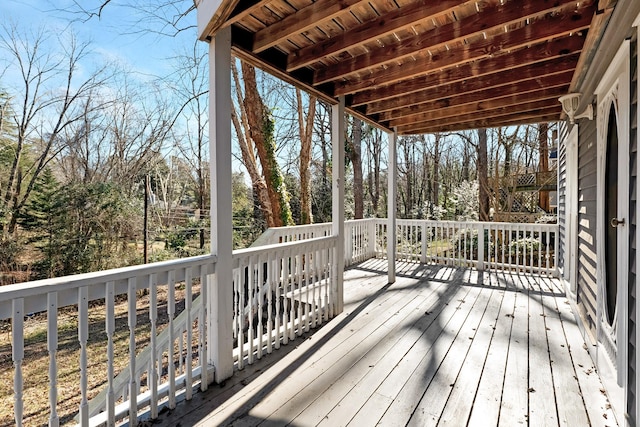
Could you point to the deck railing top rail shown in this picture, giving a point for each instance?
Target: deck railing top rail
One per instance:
(65, 284)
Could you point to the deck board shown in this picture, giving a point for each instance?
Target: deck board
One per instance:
(442, 346)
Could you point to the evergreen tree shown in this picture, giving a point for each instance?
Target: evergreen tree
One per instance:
(42, 219)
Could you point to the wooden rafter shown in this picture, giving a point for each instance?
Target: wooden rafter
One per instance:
(498, 106)
(244, 9)
(498, 84)
(544, 108)
(302, 20)
(387, 24)
(523, 88)
(518, 60)
(490, 20)
(520, 119)
(514, 40)
(491, 83)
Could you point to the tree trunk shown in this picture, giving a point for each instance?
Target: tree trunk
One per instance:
(355, 155)
(261, 131)
(543, 129)
(483, 178)
(305, 130)
(465, 163)
(436, 170)
(374, 172)
(242, 131)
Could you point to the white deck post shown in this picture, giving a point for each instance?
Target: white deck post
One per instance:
(220, 295)
(391, 206)
(337, 206)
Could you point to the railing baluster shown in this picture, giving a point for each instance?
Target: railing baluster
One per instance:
(171, 311)
(251, 305)
(202, 329)
(307, 284)
(17, 356)
(316, 283)
(153, 372)
(531, 269)
(241, 310)
(271, 262)
(300, 284)
(188, 304)
(52, 348)
(261, 264)
(83, 336)
(110, 327)
(132, 317)
(278, 275)
(286, 265)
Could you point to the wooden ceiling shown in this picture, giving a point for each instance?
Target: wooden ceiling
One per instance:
(421, 66)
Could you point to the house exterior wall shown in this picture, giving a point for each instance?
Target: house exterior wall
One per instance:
(562, 198)
(587, 195)
(633, 191)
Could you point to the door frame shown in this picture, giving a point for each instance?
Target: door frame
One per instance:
(614, 88)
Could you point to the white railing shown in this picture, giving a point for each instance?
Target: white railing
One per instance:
(124, 308)
(152, 321)
(280, 291)
(484, 245)
(359, 242)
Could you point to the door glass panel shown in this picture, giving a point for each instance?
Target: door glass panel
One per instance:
(611, 208)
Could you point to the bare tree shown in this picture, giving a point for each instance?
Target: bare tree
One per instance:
(241, 126)
(191, 87)
(162, 17)
(374, 157)
(53, 95)
(483, 178)
(261, 132)
(354, 152)
(305, 130)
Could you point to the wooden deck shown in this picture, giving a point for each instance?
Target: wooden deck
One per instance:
(441, 346)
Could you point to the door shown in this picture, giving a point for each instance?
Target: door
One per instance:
(612, 231)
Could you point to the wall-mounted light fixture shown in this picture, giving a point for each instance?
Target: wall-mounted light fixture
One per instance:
(570, 104)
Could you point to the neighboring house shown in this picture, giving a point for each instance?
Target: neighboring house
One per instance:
(422, 67)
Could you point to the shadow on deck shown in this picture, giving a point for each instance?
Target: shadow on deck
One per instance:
(441, 346)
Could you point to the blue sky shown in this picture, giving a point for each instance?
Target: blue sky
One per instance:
(113, 36)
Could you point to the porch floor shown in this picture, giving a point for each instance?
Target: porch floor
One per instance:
(441, 346)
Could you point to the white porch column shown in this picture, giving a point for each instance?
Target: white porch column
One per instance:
(337, 205)
(220, 291)
(392, 175)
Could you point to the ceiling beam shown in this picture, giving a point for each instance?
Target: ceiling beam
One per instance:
(303, 20)
(245, 8)
(501, 105)
(491, 82)
(507, 121)
(490, 20)
(539, 31)
(522, 90)
(520, 58)
(544, 108)
(396, 20)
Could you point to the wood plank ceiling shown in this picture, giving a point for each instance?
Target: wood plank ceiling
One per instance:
(421, 66)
